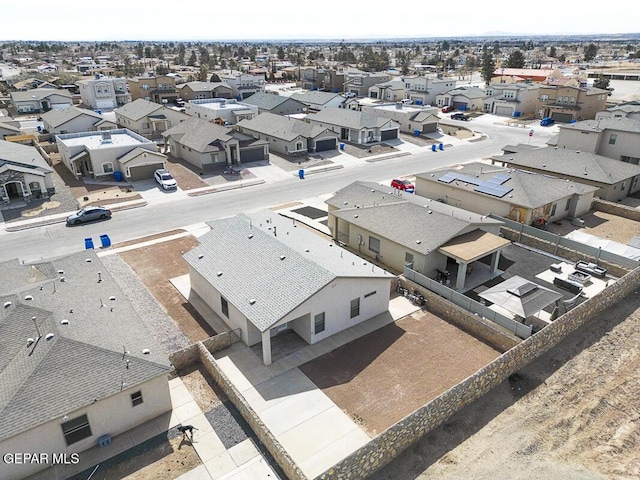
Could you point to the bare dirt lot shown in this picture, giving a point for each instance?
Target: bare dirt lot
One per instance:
(412, 360)
(572, 414)
(155, 265)
(600, 224)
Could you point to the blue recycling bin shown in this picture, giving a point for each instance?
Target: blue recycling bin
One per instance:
(417, 133)
(105, 240)
(88, 243)
(301, 174)
(342, 146)
(441, 146)
(433, 147)
(117, 176)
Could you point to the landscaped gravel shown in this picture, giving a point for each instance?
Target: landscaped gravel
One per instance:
(165, 332)
(228, 424)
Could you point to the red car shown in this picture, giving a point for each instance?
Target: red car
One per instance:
(447, 109)
(401, 184)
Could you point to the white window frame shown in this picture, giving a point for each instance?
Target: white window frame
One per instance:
(106, 166)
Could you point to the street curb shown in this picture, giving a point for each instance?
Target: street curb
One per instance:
(44, 223)
(319, 170)
(223, 188)
(388, 157)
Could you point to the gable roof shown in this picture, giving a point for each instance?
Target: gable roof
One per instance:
(285, 128)
(39, 94)
(199, 135)
(568, 163)
(622, 124)
(315, 97)
(138, 109)
(467, 91)
(11, 128)
(198, 86)
(347, 118)
(84, 359)
(27, 158)
(278, 266)
(56, 118)
(136, 152)
(530, 190)
(268, 101)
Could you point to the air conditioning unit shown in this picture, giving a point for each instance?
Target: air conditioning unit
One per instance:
(360, 241)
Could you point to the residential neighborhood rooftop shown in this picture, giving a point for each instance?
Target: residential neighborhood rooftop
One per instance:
(102, 140)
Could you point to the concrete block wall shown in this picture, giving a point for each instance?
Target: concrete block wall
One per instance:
(390, 443)
(484, 330)
(187, 356)
(616, 209)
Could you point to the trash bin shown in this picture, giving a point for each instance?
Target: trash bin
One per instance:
(417, 133)
(433, 147)
(441, 146)
(88, 243)
(105, 240)
(117, 176)
(342, 146)
(301, 173)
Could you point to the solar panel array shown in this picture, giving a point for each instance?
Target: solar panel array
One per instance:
(492, 186)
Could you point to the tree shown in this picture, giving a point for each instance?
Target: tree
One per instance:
(148, 53)
(192, 59)
(552, 52)
(590, 52)
(516, 59)
(162, 69)
(280, 53)
(203, 73)
(562, 58)
(139, 50)
(181, 53)
(603, 83)
(488, 66)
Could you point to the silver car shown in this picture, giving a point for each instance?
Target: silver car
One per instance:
(165, 179)
(88, 214)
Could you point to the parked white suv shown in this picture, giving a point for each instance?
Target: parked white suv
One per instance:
(165, 180)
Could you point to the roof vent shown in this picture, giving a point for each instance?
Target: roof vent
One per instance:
(146, 351)
(577, 151)
(60, 272)
(64, 322)
(30, 341)
(200, 257)
(306, 250)
(355, 216)
(112, 298)
(63, 279)
(252, 301)
(219, 274)
(49, 336)
(251, 235)
(282, 257)
(418, 242)
(28, 297)
(544, 165)
(7, 304)
(88, 260)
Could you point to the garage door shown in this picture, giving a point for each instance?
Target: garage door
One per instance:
(429, 127)
(504, 111)
(324, 145)
(252, 155)
(144, 172)
(104, 104)
(460, 105)
(562, 117)
(389, 134)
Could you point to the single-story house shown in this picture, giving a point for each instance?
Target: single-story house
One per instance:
(289, 136)
(202, 90)
(8, 130)
(357, 127)
(613, 179)
(277, 104)
(283, 278)
(400, 230)
(71, 120)
(41, 100)
(148, 118)
(24, 173)
(207, 145)
(110, 153)
(522, 196)
(220, 110)
(78, 365)
(317, 100)
(391, 91)
(423, 119)
(464, 97)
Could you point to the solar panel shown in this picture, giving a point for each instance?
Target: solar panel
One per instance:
(498, 179)
(468, 179)
(493, 190)
(448, 177)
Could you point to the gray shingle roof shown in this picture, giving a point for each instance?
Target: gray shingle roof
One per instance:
(315, 97)
(39, 94)
(278, 272)
(282, 127)
(349, 118)
(6, 126)
(530, 190)
(199, 134)
(138, 109)
(564, 162)
(267, 101)
(623, 124)
(203, 86)
(22, 156)
(55, 118)
(84, 359)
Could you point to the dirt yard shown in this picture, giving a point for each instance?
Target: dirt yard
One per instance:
(600, 224)
(411, 361)
(155, 265)
(573, 414)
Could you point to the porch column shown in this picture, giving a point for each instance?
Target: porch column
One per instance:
(495, 258)
(266, 347)
(462, 275)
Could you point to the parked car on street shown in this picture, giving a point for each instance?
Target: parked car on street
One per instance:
(447, 109)
(459, 116)
(165, 179)
(546, 121)
(402, 184)
(88, 214)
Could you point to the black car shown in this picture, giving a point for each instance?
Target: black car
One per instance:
(459, 116)
(88, 214)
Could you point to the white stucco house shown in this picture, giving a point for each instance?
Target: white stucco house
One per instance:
(24, 173)
(283, 277)
(78, 365)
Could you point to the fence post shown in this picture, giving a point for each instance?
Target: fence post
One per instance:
(520, 233)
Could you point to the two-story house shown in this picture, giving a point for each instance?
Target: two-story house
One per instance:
(41, 100)
(391, 91)
(160, 89)
(465, 97)
(423, 90)
(104, 92)
(511, 99)
(148, 118)
(358, 83)
(570, 102)
(243, 84)
(203, 90)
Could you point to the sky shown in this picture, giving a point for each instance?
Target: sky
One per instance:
(189, 20)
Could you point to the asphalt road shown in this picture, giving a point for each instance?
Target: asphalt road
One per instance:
(58, 239)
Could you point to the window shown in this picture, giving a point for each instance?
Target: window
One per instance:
(318, 323)
(374, 244)
(76, 430)
(355, 307)
(145, 125)
(408, 259)
(136, 398)
(370, 294)
(544, 98)
(612, 139)
(145, 86)
(567, 205)
(107, 167)
(553, 209)
(225, 306)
